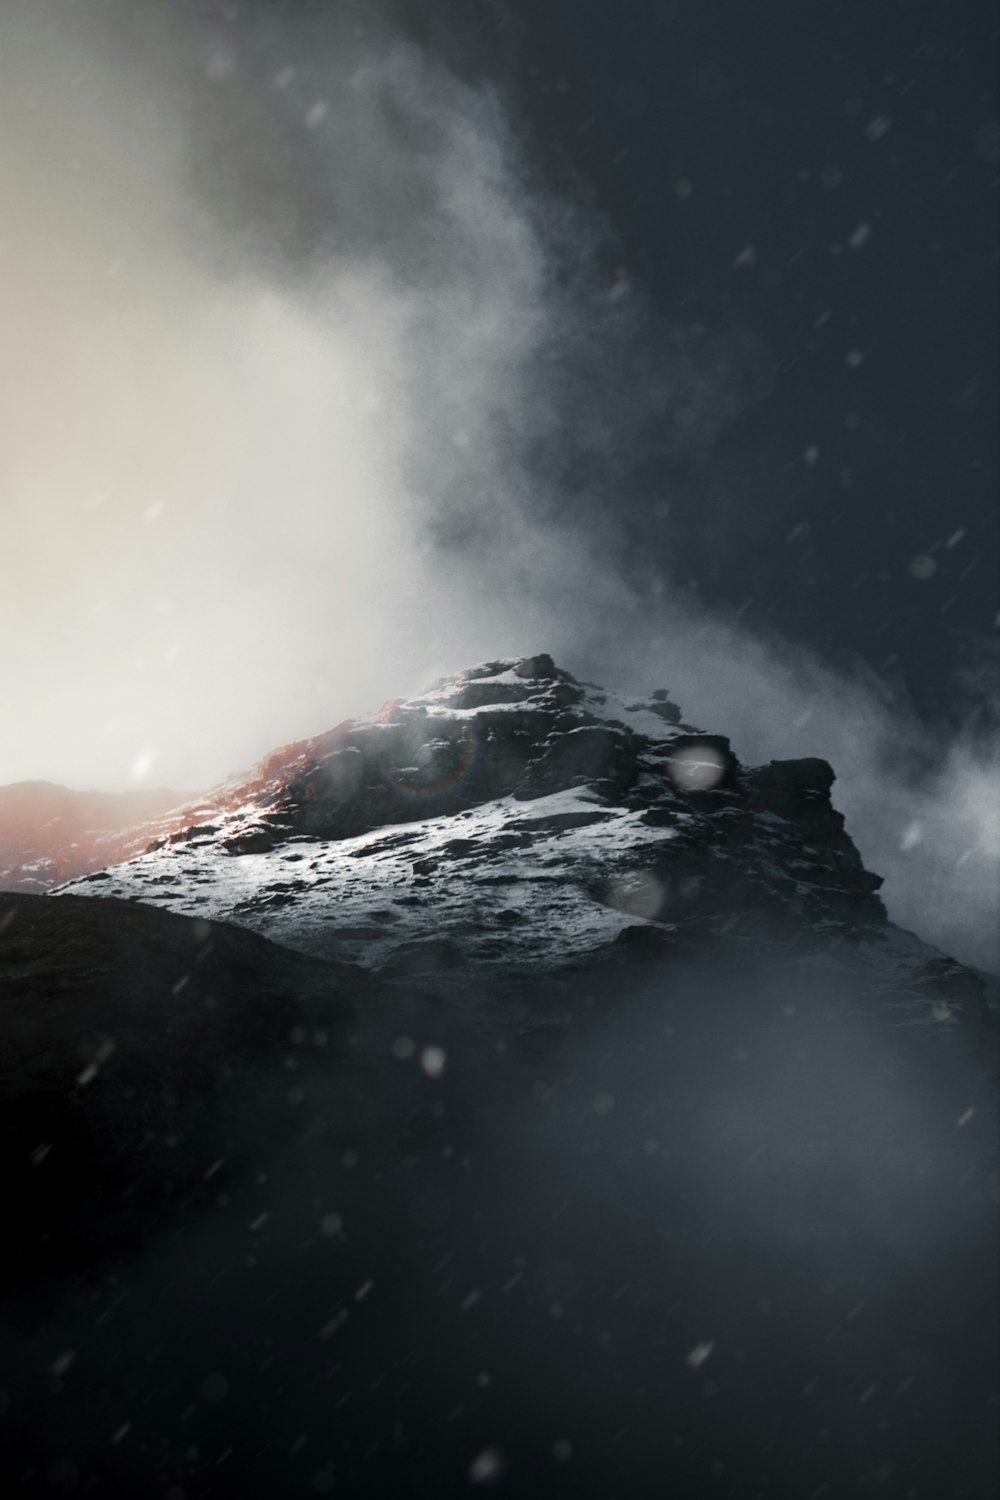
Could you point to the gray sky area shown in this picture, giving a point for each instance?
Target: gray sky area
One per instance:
(348, 344)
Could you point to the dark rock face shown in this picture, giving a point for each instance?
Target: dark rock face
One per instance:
(522, 729)
(513, 787)
(641, 1154)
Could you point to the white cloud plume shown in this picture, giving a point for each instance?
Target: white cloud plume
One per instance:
(311, 391)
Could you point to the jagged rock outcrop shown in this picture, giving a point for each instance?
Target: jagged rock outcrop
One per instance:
(513, 819)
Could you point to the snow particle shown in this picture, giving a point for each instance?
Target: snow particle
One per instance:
(100, 1057)
(562, 1451)
(697, 768)
(923, 566)
(432, 1060)
(404, 1047)
(878, 127)
(699, 1354)
(330, 1327)
(913, 835)
(331, 1225)
(638, 894)
(487, 1467)
(142, 765)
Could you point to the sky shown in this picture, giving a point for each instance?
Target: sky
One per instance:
(352, 343)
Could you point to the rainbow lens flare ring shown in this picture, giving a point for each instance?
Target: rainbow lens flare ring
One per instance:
(415, 783)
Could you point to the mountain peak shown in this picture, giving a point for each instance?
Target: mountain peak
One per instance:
(512, 819)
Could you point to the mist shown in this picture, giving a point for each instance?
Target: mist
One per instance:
(707, 1210)
(315, 389)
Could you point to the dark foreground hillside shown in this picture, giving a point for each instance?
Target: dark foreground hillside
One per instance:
(651, 1226)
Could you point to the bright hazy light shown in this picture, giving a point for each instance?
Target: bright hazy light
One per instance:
(309, 393)
(215, 451)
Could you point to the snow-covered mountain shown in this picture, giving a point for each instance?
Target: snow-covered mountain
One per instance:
(572, 1121)
(512, 821)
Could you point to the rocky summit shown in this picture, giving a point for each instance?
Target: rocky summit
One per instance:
(507, 1089)
(515, 821)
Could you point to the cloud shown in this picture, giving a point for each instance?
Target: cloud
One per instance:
(314, 388)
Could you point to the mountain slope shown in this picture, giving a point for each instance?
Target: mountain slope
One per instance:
(512, 820)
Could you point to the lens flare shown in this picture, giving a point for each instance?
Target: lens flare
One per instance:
(441, 767)
(697, 768)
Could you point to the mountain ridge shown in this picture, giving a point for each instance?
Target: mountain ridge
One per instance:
(512, 818)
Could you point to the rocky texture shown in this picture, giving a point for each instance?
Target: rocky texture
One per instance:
(512, 820)
(50, 833)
